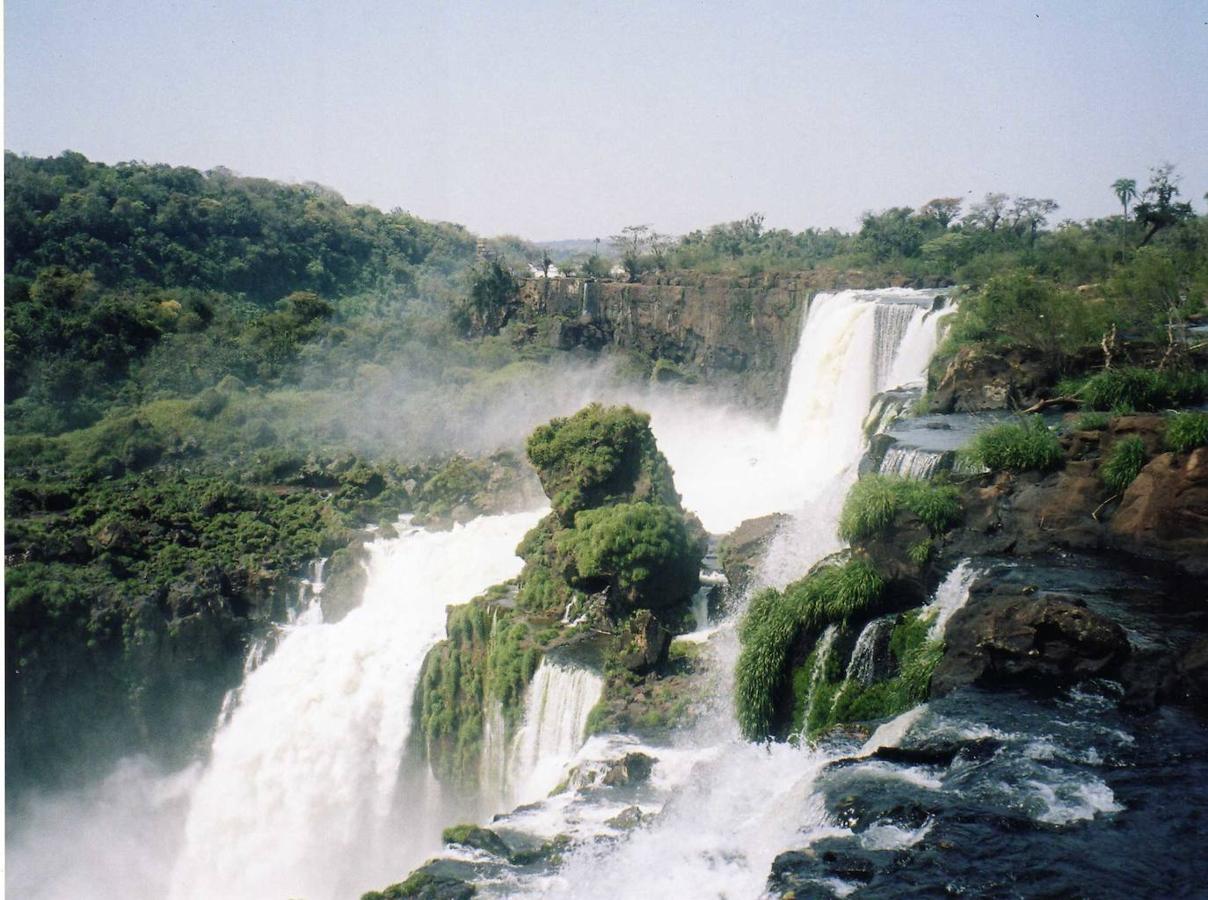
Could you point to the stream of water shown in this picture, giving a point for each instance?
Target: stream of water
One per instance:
(298, 795)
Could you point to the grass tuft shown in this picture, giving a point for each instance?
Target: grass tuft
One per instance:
(1012, 447)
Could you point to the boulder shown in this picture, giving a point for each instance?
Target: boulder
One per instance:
(979, 379)
(1013, 639)
(1164, 512)
(642, 642)
(632, 769)
(741, 551)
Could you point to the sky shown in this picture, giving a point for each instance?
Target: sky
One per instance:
(563, 119)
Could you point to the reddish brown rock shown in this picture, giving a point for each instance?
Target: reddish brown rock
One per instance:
(1164, 512)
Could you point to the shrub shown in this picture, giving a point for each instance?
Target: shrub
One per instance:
(830, 594)
(1187, 430)
(1139, 389)
(874, 501)
(1123, 463)
(1016, 447)
(600, 455)
(1091, 421)
(648, 553)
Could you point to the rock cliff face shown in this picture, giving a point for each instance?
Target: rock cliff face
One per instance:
(741, 330)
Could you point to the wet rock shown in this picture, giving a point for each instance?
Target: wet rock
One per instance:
(434, 880)
(630, 770)
(642, 642)
(741, 551)
(1164, 512)
(628, 819)
(1191, 671)
(477, 838)
(1027, 638)
(801, 871)
(867, 808)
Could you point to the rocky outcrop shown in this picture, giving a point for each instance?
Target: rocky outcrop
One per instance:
(1005, 639)
(1164, 512)
(738, 329)
(979, 378)
(741, 551)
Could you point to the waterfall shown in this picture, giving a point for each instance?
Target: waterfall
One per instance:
(300, 791)
(911, 462)
(822, 655)
(950, 596)
(298, 797)
(557, 704)
(891, 323)
(743, 803)
(862, 667)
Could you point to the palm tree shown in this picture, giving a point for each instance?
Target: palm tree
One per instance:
(1126, 189)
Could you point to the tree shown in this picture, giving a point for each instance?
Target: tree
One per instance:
(1158, 210)
(892, 232)
(989, 212)
(1125, 189)
(942, 210)
(632, 240)
(1030, 213)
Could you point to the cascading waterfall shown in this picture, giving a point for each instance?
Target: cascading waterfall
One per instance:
(950, 596)
(822, 654)
(862, 667)
(744, 803)
(557, 704)
(299, 796)
(910, 462)
(299, 793)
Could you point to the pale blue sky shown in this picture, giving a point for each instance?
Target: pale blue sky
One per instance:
(561, 119)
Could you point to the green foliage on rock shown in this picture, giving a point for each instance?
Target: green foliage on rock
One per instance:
(1091, 421)
(1016, 447)
(487, 660)
(874, 502)
(1019, 309)
(1123, 464)
(598, 456)
(1137, 388)
(826, 701)
(832, 593)
(1187, 430)
(647, 554)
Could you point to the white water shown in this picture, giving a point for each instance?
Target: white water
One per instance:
(950, 596)
(556, 707)
(910, 462)
(742, 804)
(861, 668)
(298, 796)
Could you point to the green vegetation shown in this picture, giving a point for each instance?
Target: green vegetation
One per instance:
(1019, 309)
(486, 662)
(648, 555)
(1139, 389)
(627, 535)
(1010, 447)
(832, 593)
(423, 885)
(1091, 421)
(1123, 463)
(1187, 430)
(874, 502)
(821, 703)
(598, 455)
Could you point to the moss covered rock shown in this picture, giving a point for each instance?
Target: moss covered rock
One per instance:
(599, 456)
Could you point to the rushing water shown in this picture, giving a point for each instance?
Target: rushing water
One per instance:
(299, 795)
